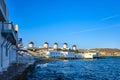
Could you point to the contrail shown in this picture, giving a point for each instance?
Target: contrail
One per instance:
(94, 29)
(101, 28)
(110, 17)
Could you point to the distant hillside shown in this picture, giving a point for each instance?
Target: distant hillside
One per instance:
(103, 51)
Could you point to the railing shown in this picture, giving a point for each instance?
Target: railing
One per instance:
(3, 5)
(9, 28)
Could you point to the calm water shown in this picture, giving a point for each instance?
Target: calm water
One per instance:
(97, 69)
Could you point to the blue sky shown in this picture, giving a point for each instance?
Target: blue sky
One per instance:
(86, 23)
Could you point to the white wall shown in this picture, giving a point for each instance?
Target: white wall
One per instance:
(54, 54)
(0, 47)
(68, 54)
(0, 55)
(4, 59)
(31, 45)
(12, 54)
(7, 56)
(60, 54)
(45, 45)
(55, 46)
(74, 48)
(65, 46)
(90, 55)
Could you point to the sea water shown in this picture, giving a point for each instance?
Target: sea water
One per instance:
(107, 68)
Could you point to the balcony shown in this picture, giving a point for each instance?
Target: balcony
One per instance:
(9, 33)
(3, 11)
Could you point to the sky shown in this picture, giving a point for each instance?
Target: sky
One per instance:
(85, 23)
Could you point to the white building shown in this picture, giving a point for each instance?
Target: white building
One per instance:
(79, 55)
(8, 38)
(74, 47)
(46, 45)
(90, 55)
(67, 54)
(55, 47)
(31, 45)
(58, 54)
(54, 54)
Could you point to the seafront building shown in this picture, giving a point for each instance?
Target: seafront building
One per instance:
(56, 52)
(8, 38)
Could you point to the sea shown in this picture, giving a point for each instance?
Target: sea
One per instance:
(106, 68)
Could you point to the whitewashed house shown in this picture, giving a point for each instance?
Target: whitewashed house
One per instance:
(54, 54)
(58, 54)
(67, 54)
(79, 55)
(8, 38)
(90, 55)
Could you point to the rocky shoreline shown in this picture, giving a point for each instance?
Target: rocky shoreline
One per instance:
(12, 71)
(30, 68)
(22, 76)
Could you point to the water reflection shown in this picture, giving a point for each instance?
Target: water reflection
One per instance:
(100, 69)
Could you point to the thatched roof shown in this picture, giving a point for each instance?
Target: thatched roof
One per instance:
(31, 43)
(55, 43)
(46, 43)
(65, 44)
(74, 46)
